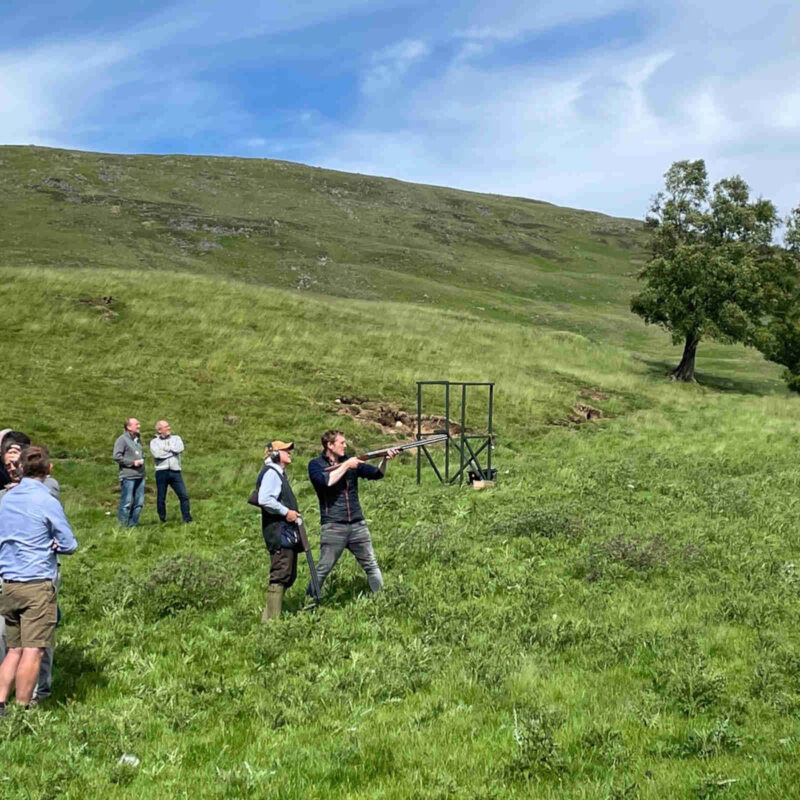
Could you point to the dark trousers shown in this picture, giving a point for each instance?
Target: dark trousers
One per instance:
(173, 478)
(283, 566)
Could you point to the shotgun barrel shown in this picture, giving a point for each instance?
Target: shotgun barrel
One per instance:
(407, 446)
(315, 587)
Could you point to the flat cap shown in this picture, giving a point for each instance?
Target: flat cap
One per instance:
(279, 445)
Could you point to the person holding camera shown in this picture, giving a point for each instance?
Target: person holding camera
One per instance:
(12, 452)
(33, 532)
(279, 515)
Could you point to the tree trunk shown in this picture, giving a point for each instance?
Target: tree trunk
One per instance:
(685, 370)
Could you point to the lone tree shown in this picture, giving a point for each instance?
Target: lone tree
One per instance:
(712, 262)
(781, 335)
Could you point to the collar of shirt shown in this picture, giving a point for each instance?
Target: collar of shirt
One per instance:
(31, 485)
(276, 466)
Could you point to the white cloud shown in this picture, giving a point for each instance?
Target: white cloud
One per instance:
(219, 21)
(596, 129)
(46, 88)
(599, 130)
(390, 65)
(505, 21)
(43, 89)
(787, 113)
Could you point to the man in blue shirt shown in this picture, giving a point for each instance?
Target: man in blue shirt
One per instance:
(335, 480)
(11, 458)
(33, 531)
(279, 513)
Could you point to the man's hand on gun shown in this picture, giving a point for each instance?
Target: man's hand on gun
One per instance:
(354, 462)
(291, 516)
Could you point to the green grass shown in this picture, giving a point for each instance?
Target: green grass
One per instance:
(615, 619)
(324, 233)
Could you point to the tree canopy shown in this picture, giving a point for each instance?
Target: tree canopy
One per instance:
(714, 271)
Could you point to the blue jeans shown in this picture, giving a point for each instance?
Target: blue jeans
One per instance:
(131, 500)
(335, 538)
(173, 478)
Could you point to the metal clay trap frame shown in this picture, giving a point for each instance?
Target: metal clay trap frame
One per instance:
(466, 448)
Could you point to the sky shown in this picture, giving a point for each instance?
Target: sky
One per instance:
(584, 104)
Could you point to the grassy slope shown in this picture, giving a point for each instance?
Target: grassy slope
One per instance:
(614, 619)
(331, 233)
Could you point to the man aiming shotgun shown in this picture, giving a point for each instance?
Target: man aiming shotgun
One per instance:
(335, 480)
(383, 452)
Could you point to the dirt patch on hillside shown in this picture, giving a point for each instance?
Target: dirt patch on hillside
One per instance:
(593, 394)
(581, 413)
(106, 306)
(391, 418)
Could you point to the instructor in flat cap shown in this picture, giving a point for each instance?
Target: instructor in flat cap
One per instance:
(278, 524)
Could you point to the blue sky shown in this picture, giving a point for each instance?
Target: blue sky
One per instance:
(584, 104)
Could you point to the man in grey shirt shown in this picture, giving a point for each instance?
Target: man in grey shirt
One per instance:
(166, 449)
(128, 453)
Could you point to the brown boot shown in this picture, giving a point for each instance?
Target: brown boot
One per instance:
(274, 602)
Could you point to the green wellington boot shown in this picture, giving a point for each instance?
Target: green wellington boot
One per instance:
(274, 602)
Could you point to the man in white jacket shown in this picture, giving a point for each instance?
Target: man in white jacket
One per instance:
(166, 449)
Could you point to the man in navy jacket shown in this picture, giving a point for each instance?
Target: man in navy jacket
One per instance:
(342, 520)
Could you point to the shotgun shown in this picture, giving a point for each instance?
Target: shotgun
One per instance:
(384, 450)
(315, 588)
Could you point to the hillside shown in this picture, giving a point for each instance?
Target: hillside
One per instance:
(321, 232)
(612, 620)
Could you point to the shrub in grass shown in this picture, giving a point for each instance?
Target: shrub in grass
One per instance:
(183, 581)
(428, 543)
(625, 791)
(775, 685)
(123, 773)
(547, 523)
(536, 751)
(562, 634)
(719, 738)
(621, 554)
(692, 688)
(604, 745)
(715, 785)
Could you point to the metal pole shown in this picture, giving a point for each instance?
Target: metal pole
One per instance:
(419, 431)
(489, 449)
(432, 463)
(463, 427)
(447, 430)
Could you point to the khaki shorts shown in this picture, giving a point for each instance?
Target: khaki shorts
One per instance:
(31, 612)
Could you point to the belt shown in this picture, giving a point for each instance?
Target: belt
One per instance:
(34, 580)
